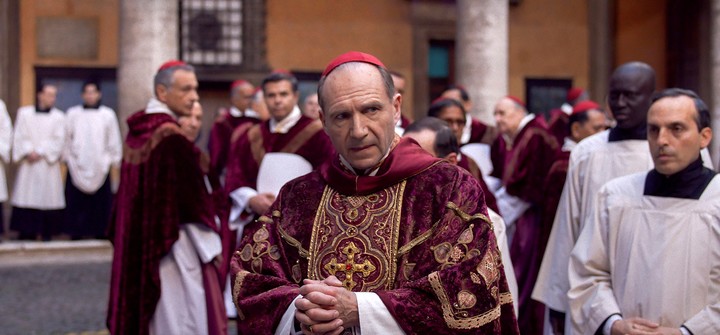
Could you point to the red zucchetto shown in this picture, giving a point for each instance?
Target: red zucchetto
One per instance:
(585, 106)
(171, 63)
(352, 56)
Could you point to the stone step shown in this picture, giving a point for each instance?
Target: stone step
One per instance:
(18, 253)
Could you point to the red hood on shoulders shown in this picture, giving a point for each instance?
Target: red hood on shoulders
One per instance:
(407, 159)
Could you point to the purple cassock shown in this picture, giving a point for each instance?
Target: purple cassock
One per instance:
(481, 133)
(162, 186)
(220, 135)
(522, 168)
(416, 233)
(469, 164)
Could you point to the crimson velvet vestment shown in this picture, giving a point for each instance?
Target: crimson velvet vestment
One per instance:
(416, 234)
(471, 166)
(480, 132)
(559, 124)
(220, 135)
(524, 167)
(306, 138)
(162, 187)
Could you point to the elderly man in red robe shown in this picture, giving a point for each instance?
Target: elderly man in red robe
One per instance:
(383, 238)
(163, 227)
(238, 114)
(522, 158)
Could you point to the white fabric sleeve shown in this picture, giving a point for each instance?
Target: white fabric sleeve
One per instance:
(684, 331)
(5, 133)
(240, 201)
(607, 327)
(287, 322)
(207, 242)
(22, 145)
(502, 241)
(591, 295)
(510, 206)
(374, 316)
(52, 147)
(114, 139)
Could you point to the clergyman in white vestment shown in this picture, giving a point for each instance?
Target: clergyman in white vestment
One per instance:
(649, 258)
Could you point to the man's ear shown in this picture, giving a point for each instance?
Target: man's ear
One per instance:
(575, 130)
(452, 158)
(161, 92)
(705, 137)
(397, 107)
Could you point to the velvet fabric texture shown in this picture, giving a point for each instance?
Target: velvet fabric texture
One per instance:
(417, 234)
(525, 166)
(559, 125)
(481, 133)
(220, 135)
(162, 186)
(306, 139)
(471, 166)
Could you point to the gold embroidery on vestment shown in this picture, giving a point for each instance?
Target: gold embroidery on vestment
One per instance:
(420, 239)
(292, 241)
(467, 217)
(356, 238)
(239, 279)
(350, 267)
(459, 320)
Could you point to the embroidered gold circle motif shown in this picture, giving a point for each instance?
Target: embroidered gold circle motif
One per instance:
(466, 300)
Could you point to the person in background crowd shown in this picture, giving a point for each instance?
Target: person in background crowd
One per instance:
(38, 199)
(93, 147)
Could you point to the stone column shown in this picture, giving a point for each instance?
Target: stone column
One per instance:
(601, 25)
(715, 80)
(482, 53)
(148, 38)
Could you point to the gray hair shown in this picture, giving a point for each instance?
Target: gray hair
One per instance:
(165, 77)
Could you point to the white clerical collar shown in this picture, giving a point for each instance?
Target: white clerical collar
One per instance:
(287, 123)
(568, 144)
(525, 121)
(373, 172)
(155, 106)
(522, 125)
(235, 112)
(467, 129)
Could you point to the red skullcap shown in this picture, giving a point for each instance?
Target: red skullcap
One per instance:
(574, 93)
(171, 63)
(584, 106)
(238, 83)
(352, 56)
(516, 100)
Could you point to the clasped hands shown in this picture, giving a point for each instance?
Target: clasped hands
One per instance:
(326, 307)
(640, 326)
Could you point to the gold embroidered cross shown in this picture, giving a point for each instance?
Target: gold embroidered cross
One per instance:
(350, 268)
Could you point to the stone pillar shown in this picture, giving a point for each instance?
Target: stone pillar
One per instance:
(601, 23)
(715, 80)
(148, 38)
(9, 54)
(482, 53)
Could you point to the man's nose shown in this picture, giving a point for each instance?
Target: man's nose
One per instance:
(359, 128)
